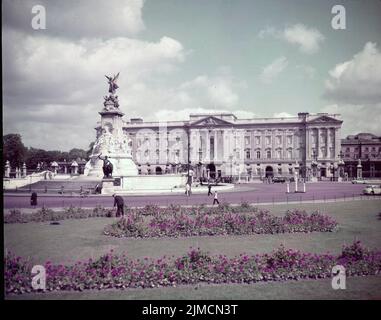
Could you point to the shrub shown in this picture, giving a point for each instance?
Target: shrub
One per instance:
(14, 216)
(196, 266)
(206, 223)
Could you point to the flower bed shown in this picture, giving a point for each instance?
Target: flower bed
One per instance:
(202, 224)
(118, 271)
(46, 214)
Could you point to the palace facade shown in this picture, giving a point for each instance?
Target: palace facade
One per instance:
(365, 147)
(221, 145)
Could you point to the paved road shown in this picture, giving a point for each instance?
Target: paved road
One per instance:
(252, 193)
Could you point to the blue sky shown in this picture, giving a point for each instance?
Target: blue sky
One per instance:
(253, 58)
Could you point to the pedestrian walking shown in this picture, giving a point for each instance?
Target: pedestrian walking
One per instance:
(215, 200)
(119, 203)
(187, 189)
(33, 199)
(209, 189)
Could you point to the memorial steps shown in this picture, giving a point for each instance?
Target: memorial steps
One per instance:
(56, 185)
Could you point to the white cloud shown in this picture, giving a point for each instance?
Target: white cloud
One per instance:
(50, 70)
(63, 82)
(354, 88)
(283, 115)
(307, 39)
(357, 80)
(52, 80)
(272, 71)
(357, 118)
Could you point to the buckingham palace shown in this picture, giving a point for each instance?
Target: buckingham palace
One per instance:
(221, 145)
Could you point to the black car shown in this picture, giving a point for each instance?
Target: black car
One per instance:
(279, 179)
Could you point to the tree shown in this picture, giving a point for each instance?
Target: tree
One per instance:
(75, 154)
(14, 150)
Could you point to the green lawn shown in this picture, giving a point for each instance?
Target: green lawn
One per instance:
(74, 240)
(356, 288)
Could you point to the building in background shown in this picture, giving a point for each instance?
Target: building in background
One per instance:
(223, 146)
(365, 147)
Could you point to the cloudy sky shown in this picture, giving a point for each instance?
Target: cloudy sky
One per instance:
(254, 58)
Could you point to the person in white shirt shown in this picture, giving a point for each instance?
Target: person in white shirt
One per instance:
(187, 189)
(215, 200)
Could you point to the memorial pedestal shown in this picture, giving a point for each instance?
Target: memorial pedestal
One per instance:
(108, 186)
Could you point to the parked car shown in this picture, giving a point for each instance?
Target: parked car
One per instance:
(279, 179)
(360, 180)
(372, 189)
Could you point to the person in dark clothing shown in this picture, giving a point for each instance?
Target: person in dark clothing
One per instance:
(33, 199)
(209, 189)
(119, 203)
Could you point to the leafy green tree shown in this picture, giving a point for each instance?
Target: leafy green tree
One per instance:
(75, 154)
(14, 150)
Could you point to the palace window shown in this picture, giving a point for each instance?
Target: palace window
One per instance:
(289, 153)
(258, 154)
(268, 140)
(279, 153)
(257, 140)
(248, 156)
(268, 154)
(278, 140)
(247, 141)
(289, 139)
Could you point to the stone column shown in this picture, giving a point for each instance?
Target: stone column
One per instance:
(337, 144)
(308, 144)
(7, 170)
(215, 145)
(207, 146)
(24, 170)
(319, 143)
